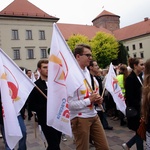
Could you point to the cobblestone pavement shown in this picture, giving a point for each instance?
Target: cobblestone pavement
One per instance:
(115, 137)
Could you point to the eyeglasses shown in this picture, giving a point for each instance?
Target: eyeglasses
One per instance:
(88, 55)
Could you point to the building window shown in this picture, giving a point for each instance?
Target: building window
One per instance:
(28, 34)
(142, 54)
(30, 53)
(43, 53)
(15, 35)
(134, 55)
(140, 45)
(16, 54)
(127, 47)
(42, 34)
(133, 47)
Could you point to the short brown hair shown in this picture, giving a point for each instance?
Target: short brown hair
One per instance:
(134, 61)
(41, 62)
(80, 48)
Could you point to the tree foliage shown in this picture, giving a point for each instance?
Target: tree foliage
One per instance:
(77, 39)
(123, 54)
(104, 48)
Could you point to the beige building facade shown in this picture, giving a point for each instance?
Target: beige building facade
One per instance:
(25, 40)
(138, 47)
(25, 33)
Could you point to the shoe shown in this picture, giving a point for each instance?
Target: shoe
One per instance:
(1, 135)
(123, 123)
(63, 138)
(108, 128)
(115, 119)
(125, 147)
(29, 118)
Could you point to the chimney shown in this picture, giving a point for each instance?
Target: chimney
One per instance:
(146, 18)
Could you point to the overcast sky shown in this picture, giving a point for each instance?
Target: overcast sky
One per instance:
(84, 11)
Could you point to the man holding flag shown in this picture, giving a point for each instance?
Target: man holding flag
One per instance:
(84, 119)
(38, 103)
(69, 97)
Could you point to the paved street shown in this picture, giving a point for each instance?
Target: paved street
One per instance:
(115, 138)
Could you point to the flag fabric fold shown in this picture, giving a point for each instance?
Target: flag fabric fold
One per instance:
(64, 77)
(19, 84)
(14, 89)
(113, 87)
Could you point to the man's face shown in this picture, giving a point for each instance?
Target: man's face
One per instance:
(95, 67)
(85, 58)
(29, 73)
(43, 70)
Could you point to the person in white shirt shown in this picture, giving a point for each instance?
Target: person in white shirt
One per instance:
(85, 122)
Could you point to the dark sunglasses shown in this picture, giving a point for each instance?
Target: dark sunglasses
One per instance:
(88, 55)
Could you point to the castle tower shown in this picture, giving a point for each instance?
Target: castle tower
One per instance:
(107, 20)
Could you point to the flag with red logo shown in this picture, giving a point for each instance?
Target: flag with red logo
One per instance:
(64, 77)
(113, 87)
(14, 88)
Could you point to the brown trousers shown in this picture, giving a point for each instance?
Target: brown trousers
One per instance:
(83, 128)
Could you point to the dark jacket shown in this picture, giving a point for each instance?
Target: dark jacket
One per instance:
(37, 102)
(133, 96)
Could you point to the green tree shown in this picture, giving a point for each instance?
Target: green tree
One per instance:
(123, 54)
(104, 48)
(77, 39)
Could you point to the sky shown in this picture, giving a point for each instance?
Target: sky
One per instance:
(84, 11)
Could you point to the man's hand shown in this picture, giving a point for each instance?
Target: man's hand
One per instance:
(96, 98)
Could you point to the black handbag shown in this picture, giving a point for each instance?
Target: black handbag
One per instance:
(131, 112)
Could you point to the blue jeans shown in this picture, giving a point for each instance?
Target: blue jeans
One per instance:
(22, 141)
(136, 139)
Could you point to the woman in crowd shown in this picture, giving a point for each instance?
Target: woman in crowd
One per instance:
(133, 96)
(121, 77)
(146, 102)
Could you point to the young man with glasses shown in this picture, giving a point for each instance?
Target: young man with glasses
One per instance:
(85, 122)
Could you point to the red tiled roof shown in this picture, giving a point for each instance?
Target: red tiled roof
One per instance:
(68, 30)
(24, 8)
(134, 30)
(105, 13)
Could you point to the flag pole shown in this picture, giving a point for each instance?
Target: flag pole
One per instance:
(76, 61)
(40, 91)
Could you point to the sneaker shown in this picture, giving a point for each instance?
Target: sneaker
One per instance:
(1, 135)
(125, 147)
(63, 137)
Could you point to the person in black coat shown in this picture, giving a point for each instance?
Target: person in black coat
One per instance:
(133, 96)
(94, 70)
(38, 103)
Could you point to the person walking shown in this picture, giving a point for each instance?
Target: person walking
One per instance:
(133, 97)
(85, 122)
(145, 110)
(38, 104)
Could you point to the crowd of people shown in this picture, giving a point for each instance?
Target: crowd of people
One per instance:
(91, 103)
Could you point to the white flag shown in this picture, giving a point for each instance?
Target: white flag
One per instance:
(64, 77)
(11, 125)
(19, 84)
(14, 89)
(113, 87)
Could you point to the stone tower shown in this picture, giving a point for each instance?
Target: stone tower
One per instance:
(107, 20)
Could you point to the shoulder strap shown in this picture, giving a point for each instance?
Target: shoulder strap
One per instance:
(92, 82)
